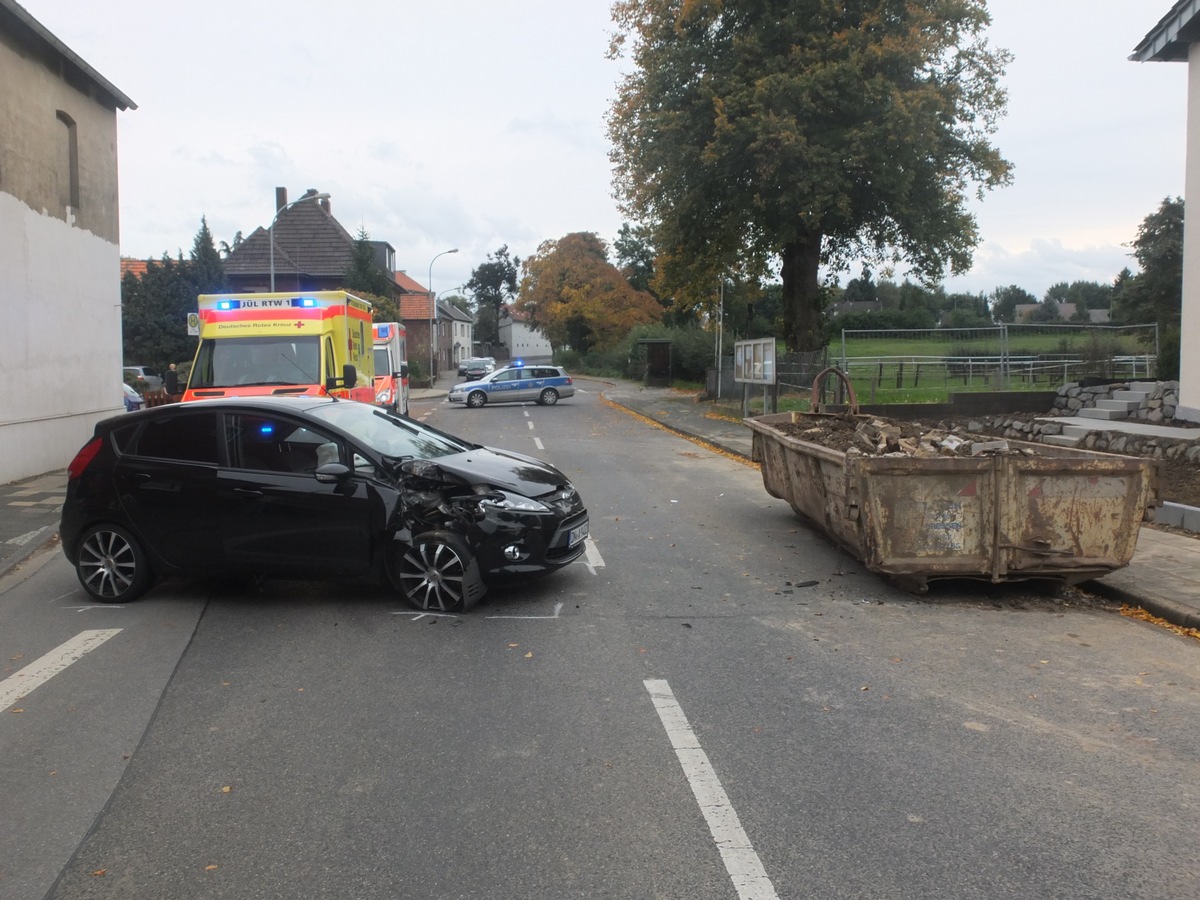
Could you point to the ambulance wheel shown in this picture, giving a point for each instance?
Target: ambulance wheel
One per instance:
(112, 566)
(438, 573)
(476, 399)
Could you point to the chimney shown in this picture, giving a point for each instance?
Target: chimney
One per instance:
(280, 198)
(324, 204)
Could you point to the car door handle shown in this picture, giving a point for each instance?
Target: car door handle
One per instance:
(248, 493)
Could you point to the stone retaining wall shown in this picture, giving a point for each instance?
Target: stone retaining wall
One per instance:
(1159, 408)
(1019, 429)
(1072, 397)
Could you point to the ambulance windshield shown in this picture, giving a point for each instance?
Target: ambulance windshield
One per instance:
(257, 361)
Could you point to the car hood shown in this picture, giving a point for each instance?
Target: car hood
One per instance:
(503, 469)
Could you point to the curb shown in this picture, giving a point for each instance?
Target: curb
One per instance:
(1162, 607)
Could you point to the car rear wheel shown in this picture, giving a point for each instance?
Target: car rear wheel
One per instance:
(548, 397)
(112, 566)
(438, 573)
(476, 399)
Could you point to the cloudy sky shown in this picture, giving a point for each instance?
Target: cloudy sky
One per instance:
(477, 123)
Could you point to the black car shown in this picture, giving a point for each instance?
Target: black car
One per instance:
(477, 367)
(310, 487)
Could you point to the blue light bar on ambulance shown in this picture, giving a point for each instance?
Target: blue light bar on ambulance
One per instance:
(251, 303)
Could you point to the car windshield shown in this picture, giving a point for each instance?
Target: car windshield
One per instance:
(390, 436)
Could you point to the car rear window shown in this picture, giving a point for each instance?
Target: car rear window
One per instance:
(187, 438)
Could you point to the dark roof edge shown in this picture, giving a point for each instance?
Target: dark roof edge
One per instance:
(22, 15)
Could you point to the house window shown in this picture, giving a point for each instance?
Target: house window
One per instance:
(69, 155)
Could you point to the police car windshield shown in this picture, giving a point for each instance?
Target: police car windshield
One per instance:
(387, 435)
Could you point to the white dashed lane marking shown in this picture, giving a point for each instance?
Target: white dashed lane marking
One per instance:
(38, 672)
(741, 861)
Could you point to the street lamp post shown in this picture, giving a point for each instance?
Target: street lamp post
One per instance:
(433, 313)
(271, 227)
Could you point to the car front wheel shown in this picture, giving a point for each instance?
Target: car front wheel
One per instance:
(476, 399)
(438, 573)
(548, 397)
(112, 566)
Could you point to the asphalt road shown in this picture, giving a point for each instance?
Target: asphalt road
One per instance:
(714, 703)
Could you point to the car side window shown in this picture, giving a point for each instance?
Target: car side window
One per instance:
(188, 437)
(275, 444)
(513, 375)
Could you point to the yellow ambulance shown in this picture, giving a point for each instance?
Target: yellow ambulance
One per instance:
(283, 344)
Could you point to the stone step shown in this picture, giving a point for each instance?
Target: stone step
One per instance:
(1098, 413)
(1117, 405)
(1148, 387)
(1075, 432)
(1062, 440)
(1139, 397)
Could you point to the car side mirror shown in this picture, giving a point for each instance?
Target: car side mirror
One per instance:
(349, 376)
(332, 473)
(404, 370)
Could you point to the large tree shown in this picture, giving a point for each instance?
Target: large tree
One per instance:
(1005, 300)
(155, 306)
(493, 284)
(751, 133)
(364, 275)
(578, 299)
(1155, 294)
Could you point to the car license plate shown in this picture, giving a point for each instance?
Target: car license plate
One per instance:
(577, 534)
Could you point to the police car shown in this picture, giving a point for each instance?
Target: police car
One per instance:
(517, 383)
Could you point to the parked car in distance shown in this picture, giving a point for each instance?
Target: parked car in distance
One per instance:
(515, 384)
(310, 487)
(152, 378)
(133, 400)
(476, 367)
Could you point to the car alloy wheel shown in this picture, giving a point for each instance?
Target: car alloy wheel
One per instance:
(438, 573)
(476, 399)
(112, 566)
(549, 397)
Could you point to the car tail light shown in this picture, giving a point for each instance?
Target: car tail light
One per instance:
(84, 458)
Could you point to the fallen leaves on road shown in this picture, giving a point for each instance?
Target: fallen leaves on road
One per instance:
(1136, 612)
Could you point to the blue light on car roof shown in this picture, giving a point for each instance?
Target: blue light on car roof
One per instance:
(517, 363)
(267, 429)
(307, 302)
(228, 304)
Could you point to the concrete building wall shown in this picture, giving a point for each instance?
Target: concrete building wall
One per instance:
(1189, 360)
(60, 344)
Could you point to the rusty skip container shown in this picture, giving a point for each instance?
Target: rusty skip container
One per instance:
(1061, 513)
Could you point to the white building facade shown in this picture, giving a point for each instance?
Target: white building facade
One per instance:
(60, 266)
(523, 340)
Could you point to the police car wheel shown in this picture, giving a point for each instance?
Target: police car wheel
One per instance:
(549, 397)
(112, 566)
(476, 399)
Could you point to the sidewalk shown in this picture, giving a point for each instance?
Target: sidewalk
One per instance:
(1163, 578)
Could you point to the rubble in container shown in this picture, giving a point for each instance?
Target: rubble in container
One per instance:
(881, 437)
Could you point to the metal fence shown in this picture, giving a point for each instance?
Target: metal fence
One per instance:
(910, 364)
